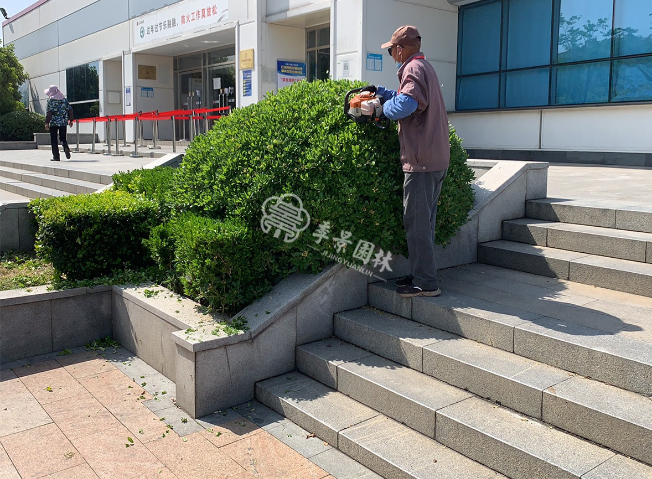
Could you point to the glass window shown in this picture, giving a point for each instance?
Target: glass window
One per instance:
(583, 83)
(526, 88)
(318, 53)
(632, 80)
(24, 94)
(584, 30)
(528, 33)
(480, 38)
(83, 83)
(477, 92)
(189, 62)
(312, 39)
(223, 55)
(324, 39)
(633, 27)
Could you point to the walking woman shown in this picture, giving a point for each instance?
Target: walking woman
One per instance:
(59, 116)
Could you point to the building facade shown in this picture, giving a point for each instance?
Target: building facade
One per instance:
(520, 77)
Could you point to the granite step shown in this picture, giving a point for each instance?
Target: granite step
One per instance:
(29, 190)
(69, 185)
(59, 170)
(610, 242)
(590, 213)
(472, 437)
(611, 273)
(378, 442)
(577, 339)
(612, 417)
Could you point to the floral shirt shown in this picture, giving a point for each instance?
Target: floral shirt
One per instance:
(59, 109)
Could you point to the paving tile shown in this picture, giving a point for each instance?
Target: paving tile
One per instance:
(141, 422)
(7, 469)
(86, 364)
(158, 404)
(113, 389)
(259, 414)
(49, 382)
(342, 466)
(40, 451)
(229, 432)
(264, 456)
(180, 421)
(83, 471)
(193, 457)
(80, 416)
(302, 441)
(161, 473)
(106, 453)
(19, 410)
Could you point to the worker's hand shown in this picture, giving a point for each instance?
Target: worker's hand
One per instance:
(47, 127)
(70, 123)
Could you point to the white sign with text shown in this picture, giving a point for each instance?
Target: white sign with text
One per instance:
(180, 18)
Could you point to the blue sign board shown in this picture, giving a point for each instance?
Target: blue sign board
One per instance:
(290, 72)
(374, 62)
(246, 83)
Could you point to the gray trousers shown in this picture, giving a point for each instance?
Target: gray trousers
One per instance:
(420, 196)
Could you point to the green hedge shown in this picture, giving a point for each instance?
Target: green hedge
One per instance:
(86, 236)
(21, 126)
(223, 264)
(299, 141)
(154, 184)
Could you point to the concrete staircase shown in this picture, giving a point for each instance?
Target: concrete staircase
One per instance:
(579, 241)
(507, 374)
(38, 181)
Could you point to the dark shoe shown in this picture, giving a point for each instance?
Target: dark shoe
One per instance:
(55, 159)
(404, 281)
(67, 152)
(412, 291)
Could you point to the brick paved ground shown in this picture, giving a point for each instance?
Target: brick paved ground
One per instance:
(109, 415)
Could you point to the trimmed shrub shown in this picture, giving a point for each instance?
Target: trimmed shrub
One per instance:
(299, 141)
(21, 126)
(154, 184)
(86, 236)
(223, 264)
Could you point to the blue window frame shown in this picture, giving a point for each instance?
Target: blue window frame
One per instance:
(533, 53)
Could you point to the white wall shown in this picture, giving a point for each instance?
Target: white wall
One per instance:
(163, 91)
(281, 43)
(347, 38)
(248, 39)
(609, 128)
(436, 21)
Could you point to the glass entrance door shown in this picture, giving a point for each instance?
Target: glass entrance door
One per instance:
(190, 97)
(221, 87)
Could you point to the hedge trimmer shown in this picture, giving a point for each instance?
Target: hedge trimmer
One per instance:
(365, 107)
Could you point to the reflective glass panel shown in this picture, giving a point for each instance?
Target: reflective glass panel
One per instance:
(223, 55)
(475, 93)
(528, 33)
(526, 88)
(189, 62)
(583, 83)
(632, 80)
(312, 39)
(480, 38)
(324, 37)
(323, 63)
(83, 83)
(312, 65)
(584, 30)
(633, 27)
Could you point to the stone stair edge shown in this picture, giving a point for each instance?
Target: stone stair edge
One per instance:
(278, 394)
(26, 175)
(530, 388)
(626, 361)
